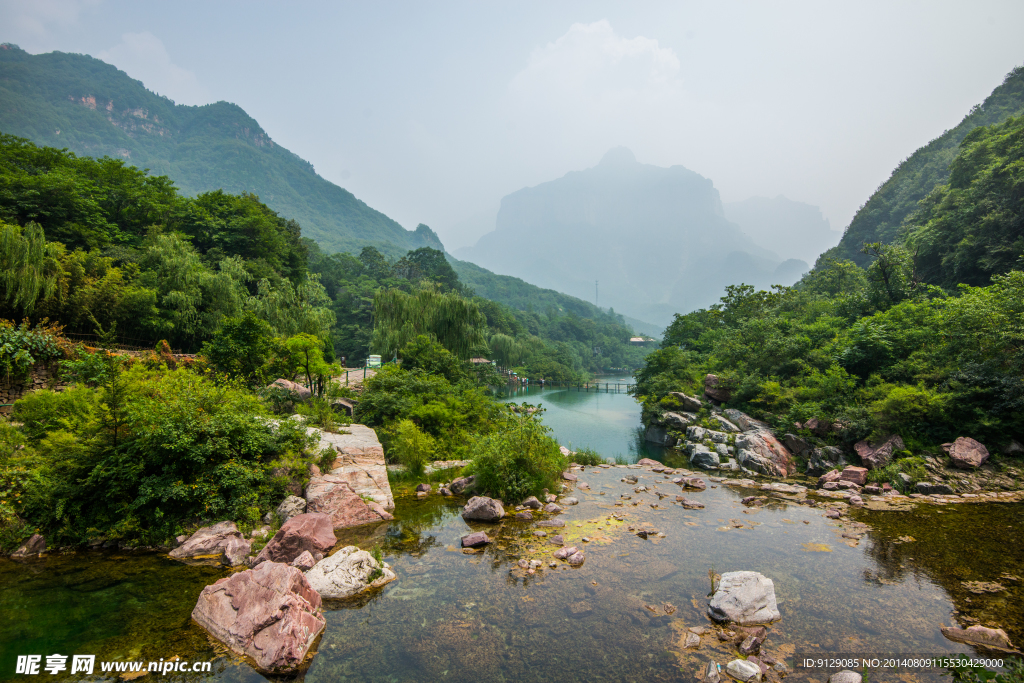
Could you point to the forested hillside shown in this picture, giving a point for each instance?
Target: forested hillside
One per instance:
(91, 108)
(880, 218)
(926, 343)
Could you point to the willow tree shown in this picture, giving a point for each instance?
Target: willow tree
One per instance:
(505, 350)
(398, 318)
(29, 268)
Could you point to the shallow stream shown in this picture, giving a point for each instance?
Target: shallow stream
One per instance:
(621, 616)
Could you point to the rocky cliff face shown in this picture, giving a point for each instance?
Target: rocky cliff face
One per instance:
(656, 239)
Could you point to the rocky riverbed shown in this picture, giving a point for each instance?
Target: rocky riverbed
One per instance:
(636, 608)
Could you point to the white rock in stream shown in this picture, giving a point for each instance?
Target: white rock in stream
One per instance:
(742, 670)
(745, 598)
(344, 574)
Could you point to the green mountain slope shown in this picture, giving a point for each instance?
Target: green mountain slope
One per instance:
(523, 296)
(880, 218)
(90, 107)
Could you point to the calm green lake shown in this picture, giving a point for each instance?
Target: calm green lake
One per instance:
(457, 617)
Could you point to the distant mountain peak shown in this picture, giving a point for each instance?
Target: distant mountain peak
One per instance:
(618, 156)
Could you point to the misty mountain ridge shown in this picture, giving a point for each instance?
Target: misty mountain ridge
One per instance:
(657, 240)
(91, 108)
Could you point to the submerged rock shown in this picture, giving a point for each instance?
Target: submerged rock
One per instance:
(484, 509)
(346, 574)
(845, 676)
(222, 542)
(742, 670)
(476, 539)
(313, 532)
(979, 635)
(744, 598)
(711, 674)
(270, 614)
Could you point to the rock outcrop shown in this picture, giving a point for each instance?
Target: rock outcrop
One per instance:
(823, 459)
(854, 475)
(678, 420)
(34, 546)
(289, 507)
(347, 573)
(967, 454)
(270, 614)
(461, 484)
(312, 532)
(287, 385)
(880, 454)
(483, 509)
(743, 421)
(334, 496)
(222, 542)
(715, 389)
(688, 403)
(745, 598)
(360, 463)
(658, 434)
(766, 454)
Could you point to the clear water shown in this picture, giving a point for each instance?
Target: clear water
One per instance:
(457, 617)
(606, 421)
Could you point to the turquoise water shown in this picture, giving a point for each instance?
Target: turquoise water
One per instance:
(452, 616)
(608, 422)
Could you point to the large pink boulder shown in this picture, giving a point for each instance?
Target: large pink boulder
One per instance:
(222, 542)
(333, 495)
(966, 453)
(312, 531)
(270, 614)
(878, 455)
(857, 475)
(830, 477)
(773, 458)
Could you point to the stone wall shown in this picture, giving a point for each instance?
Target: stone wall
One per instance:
(41, 377)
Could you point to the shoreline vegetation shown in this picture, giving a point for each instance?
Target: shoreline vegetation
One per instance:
(106, 444)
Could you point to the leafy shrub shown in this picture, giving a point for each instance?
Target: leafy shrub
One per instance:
(22, 346)
(411, 447)
(41, 412)
(587, 456)
(88, 368)
(519, 459)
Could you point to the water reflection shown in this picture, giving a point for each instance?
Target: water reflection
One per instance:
(604, 421)
(456, 616)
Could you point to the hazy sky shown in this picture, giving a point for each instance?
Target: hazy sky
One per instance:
(431, 112)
